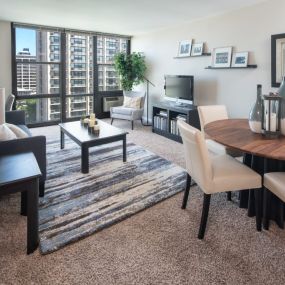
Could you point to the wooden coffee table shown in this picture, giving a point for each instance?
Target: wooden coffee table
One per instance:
(79, 134)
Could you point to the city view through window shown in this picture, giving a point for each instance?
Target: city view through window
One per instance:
(40, 68)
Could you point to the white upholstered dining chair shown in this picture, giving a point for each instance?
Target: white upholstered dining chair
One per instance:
(208, 114)
(275, 183)
(214, 174)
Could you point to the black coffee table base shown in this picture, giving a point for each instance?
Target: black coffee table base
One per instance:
(86, 145)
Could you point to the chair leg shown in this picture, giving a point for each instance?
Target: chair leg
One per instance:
(42, 189)
(266, 207)
(204, 218)
(258, 203)
(132, 125)
(141, 121)
(229, 196)
(187, 190)
(112, 121)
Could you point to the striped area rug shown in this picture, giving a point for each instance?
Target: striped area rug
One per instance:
(77, 205)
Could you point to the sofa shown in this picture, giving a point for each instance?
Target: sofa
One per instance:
(35, 144)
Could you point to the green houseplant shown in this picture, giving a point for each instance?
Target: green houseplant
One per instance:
(131, 68)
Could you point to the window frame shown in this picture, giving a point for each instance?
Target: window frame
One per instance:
(62, 95)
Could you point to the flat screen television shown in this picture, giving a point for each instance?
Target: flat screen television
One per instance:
(179, 88)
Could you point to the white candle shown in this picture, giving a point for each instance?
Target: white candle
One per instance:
(273, 122)
(2, 106)
(96, 127)
(92, 116)
(91, 123)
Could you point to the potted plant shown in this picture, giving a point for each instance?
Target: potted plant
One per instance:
(131, 68)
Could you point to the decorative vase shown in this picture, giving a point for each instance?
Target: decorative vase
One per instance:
(255, 115)
(281, 93)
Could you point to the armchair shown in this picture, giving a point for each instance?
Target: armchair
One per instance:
(130, 114)
(36, 144)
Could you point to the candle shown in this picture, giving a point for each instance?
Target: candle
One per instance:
(2, 106)
(92, 116)
(91, 123)
(273, 122)
(96, 127)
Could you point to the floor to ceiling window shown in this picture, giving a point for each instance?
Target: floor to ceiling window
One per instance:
(60, 75)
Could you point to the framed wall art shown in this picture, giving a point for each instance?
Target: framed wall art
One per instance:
(222, 57)
(277, 59)
(240, 59)
(184, 48)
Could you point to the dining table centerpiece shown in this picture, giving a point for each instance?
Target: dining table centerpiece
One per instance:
(271, 115)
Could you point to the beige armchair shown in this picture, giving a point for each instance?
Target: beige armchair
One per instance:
(220, 173)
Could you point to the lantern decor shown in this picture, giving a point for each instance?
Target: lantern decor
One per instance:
(271, 115)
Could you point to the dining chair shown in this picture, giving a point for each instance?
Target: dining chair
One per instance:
(273, 182)
(211, 113)
(208, 114)
(215, 174)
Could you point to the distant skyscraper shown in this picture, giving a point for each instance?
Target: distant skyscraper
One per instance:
(26, 73)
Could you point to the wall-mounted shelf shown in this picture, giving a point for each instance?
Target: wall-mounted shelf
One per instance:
(203, 54)
(249, 66)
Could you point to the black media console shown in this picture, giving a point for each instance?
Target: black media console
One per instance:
(165, 115)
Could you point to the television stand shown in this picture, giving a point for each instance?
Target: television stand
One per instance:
(165, 115)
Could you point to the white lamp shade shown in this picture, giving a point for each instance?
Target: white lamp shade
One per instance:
(2, 106)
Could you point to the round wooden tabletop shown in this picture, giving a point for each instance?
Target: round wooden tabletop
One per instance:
(236, 133)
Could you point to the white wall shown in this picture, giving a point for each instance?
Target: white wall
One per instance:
(248, 29)
(5, 57)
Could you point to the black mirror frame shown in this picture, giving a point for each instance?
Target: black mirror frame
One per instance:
(274, 38)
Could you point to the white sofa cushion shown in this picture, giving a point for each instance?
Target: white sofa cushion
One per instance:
(6, 134)
(17, 131)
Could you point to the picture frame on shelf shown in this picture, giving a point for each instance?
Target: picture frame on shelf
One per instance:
(222, 57)
(184, 48)
(197, 49)
(277, 59)
(240, 59)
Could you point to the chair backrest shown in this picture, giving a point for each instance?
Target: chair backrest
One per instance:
(136, 94)
(208, 114)
(9, 102)
(198, 163)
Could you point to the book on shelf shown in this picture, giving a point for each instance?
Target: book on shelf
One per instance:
(160, 123)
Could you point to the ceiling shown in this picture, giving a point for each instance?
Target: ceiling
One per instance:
(130, 17)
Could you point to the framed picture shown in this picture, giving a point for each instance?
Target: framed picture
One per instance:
(222, 57)
(197, 49)
(185, 48)
(277, 59)
(240, 59)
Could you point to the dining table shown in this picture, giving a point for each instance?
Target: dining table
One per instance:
(261, 153)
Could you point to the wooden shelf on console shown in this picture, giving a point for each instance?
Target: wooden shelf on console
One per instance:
(249, 66)
(204, 54)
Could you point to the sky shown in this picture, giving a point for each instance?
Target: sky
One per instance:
(26, 38)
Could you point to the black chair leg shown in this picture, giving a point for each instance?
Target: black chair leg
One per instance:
(141, 121)
(266, 207)
(132, 125)
(229, 196)
(258, 205)
(112, 121)
(187, 190)
(42, 189)
(204, 218)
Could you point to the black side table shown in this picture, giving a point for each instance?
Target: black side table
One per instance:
(20, 173)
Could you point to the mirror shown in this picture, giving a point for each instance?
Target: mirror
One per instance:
(277, 59)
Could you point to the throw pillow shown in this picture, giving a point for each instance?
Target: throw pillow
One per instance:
(132, 102)
(17, 131)
(6, 134)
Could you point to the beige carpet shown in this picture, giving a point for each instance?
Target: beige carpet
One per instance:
(156, 246)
